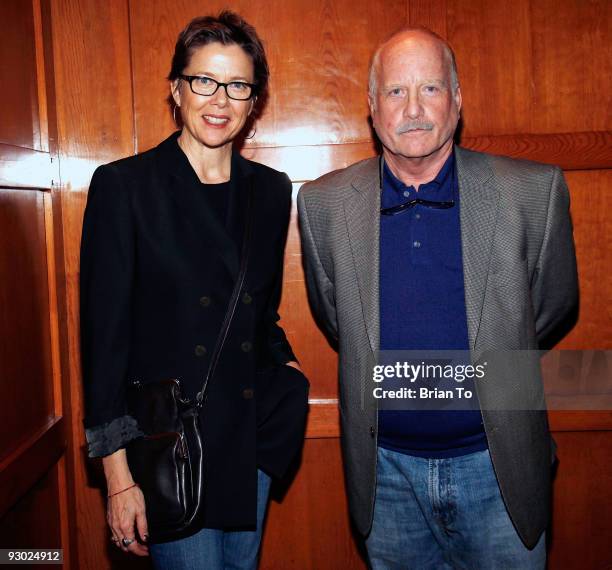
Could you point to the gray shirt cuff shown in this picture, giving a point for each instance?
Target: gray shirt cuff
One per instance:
(109, 437)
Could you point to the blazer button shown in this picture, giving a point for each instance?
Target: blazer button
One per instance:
(204, 301)
(246, 346)
(247, 394)
(200, 350)
(372, 431)
(247, 299)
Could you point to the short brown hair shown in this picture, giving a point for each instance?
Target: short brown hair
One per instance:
(227, 28)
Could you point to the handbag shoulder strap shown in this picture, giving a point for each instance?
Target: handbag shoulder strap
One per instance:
(231, 307)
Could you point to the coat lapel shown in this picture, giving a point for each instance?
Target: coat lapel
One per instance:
(478, 201)
(362, 212)
(242, 178)
(203, 224)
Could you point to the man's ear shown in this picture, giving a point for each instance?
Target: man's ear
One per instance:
(458, 99)
(371, 105)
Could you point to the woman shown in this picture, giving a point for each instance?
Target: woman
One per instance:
(160, 255)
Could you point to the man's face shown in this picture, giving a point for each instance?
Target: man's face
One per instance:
(414, 109)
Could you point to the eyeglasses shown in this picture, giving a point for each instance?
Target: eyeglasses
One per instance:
(207, 86)
(393, 210)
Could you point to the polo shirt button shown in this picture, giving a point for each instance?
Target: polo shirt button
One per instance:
(406, 193)
(246, 299)
(417, 216)
(246, 346)
(416, 244)
(204, 301)
(200, 350)
(247, 394)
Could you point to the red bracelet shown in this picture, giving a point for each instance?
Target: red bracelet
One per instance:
(130, 487)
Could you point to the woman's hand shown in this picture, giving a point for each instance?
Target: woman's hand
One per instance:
(126, 513)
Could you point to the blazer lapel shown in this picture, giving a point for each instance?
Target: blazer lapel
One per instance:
(242, 179)
(185, 190)
(478, 202)
(362, 212)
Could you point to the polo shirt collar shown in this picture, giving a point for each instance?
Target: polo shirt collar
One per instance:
(439, 189)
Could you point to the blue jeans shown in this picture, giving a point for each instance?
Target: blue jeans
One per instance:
(444, 514)
(213, 549)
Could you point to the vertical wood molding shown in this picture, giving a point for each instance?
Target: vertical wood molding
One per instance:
(67, 515)
(41, 77)
(54, 333)
(60, 307)
(46, 48)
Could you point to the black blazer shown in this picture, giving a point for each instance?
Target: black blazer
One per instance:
(157, 269)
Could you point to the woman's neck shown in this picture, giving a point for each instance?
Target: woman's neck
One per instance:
(212, 165)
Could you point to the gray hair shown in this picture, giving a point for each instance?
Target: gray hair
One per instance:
(449, 54)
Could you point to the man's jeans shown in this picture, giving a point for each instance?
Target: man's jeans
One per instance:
(444, 514)
(213, 549)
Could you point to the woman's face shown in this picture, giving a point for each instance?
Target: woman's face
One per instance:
(214, 120)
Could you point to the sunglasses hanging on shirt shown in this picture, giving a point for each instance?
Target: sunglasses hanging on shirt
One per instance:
(399, 208)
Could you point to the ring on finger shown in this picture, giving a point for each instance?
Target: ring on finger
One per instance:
(126, 541)
(115, 539)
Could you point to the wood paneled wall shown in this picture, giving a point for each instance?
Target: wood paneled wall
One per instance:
(535, 77)
(33, 476)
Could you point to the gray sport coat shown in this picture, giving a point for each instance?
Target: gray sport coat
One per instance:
(520, 285)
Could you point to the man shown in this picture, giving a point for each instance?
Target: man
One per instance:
(434, 247)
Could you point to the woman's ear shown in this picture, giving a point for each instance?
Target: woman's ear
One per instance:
(253, 101)
(175, 91)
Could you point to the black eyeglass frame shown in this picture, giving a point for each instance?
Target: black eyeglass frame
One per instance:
(189, 79)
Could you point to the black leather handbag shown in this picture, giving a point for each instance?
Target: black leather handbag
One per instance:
(168, 462)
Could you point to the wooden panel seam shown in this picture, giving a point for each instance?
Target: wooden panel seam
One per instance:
(323, 420)
(589, 150)
(28, 168)
(570, 151)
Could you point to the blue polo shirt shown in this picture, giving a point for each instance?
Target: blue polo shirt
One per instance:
(422, 307)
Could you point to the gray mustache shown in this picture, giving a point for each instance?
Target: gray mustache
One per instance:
(413, 126)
